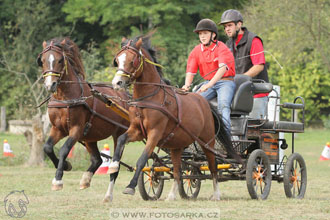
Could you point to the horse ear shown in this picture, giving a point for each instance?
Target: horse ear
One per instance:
(150, 33)
(63, 42)
(44, 44)
(139, 43)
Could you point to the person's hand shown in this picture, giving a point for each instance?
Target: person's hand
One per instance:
(185, 88)
(204, 88)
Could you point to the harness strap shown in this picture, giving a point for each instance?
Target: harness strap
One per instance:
(152, 105)
(79, 102)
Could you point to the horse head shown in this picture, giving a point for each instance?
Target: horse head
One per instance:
(56, 59)
(129, 63)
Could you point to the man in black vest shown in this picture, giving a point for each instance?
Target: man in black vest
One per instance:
(249, 56)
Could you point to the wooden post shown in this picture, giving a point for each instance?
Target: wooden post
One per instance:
(37, 153)
(3, 119)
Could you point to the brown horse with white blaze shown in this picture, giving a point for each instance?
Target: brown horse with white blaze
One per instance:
(74, 112)
(163, 116)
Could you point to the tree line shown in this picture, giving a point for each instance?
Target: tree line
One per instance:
(294, 32)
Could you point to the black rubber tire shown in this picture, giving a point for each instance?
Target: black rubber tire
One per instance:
(151, 188)
(189, 188)
(258, 162)
(295, 188)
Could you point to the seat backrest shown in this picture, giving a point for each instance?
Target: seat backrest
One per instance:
(243, 99)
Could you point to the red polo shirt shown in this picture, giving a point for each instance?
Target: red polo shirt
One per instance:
(256, 55)
(207, 59)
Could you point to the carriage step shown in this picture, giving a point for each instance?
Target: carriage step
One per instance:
(167, 169)
(243, 141)
(220, 167)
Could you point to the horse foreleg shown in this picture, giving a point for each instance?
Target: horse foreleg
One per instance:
(114, 165)
(57, 183)
(150, 146)
(96, 161)
(109, 194)
(52, 140)
(212, 166)
(176, 160)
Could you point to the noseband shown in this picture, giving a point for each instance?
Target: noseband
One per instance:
(56, 73)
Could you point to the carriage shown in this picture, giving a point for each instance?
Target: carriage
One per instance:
(257, 141)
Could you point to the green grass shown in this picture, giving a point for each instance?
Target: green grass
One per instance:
(72, 203)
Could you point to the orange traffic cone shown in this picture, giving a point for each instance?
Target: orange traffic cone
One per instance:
(326, 152)
(103, 169)
(70, 155)
(7, 152)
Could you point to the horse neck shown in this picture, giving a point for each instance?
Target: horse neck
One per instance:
(149, 75)
(67, 91)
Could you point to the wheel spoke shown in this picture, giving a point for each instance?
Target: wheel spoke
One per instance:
(153, 190)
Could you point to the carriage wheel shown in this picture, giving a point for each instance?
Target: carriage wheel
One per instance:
(150, 184)
(258, 175)
(295, 177)
(189, 188)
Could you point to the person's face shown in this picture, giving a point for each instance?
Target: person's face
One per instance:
(205, 36)
(230, 28)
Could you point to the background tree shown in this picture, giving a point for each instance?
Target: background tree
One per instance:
(174, 20)
(297, 33)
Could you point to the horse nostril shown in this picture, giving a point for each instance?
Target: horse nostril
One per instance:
(119, 83)
(53, 87)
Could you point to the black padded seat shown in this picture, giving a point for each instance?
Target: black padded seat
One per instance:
(243, 99)
(283, 126)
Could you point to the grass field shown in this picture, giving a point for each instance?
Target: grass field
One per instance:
(72, 203)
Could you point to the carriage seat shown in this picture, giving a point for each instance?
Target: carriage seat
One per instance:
(243, 98)
(246, 88)
(283, 126)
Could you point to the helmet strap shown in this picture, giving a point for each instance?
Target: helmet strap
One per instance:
(210, 41)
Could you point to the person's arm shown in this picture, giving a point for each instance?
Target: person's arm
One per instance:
(255, 70)
(257, 57)
(218, 75)
(188, 81)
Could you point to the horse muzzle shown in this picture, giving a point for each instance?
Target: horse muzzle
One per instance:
(51, 87)
(119, 82)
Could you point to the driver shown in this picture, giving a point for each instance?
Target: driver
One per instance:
(216, 65)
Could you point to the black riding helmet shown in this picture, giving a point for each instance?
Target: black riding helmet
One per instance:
(231, 15)
(207, 25)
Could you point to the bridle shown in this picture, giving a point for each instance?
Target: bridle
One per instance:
(49, 72)
(138, 61)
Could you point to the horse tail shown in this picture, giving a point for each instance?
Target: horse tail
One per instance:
(223, 136)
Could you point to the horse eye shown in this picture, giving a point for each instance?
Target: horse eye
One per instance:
(61, 60)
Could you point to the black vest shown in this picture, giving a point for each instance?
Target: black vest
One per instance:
(243, 50)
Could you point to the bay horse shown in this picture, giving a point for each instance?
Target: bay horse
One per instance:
(163, 116)
(74, 112)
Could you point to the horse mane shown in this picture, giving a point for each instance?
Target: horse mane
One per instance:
(71, 51)
(146, 44)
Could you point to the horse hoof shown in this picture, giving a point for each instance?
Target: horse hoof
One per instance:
(107, 199)
(84, 186)
(215, 198)
(57, 185)
(129, 191)
(170, 198)
(67, 166)
(86, 179)
(113, 167)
